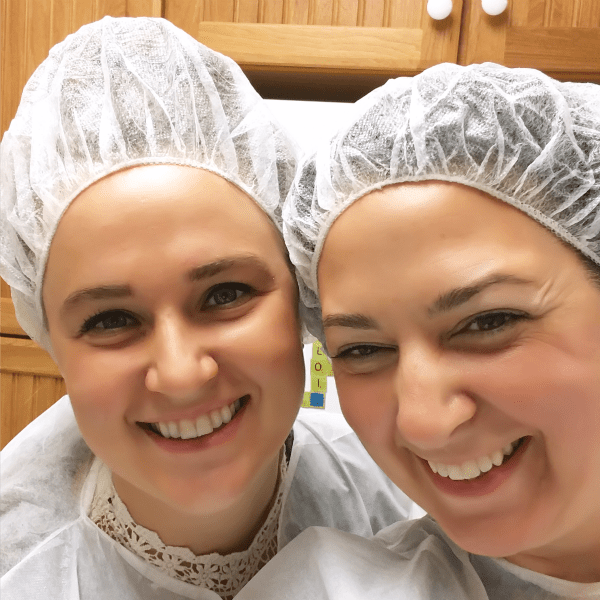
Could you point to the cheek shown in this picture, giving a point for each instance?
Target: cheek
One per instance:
(269, 345)
(542, 387)
(368, 405)
(100, 385)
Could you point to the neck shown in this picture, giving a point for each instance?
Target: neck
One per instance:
(224, 531)
(574, 559)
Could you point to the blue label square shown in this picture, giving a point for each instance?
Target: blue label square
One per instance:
(317, 400)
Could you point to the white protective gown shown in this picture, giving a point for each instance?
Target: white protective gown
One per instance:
(411, 560)
(51, 550)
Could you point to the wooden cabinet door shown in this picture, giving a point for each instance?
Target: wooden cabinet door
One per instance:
(325, 43)
(29, 379)
(559, 37)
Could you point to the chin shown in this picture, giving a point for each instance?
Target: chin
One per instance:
(497, 541)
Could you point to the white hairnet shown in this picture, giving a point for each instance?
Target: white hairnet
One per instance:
(516, 134)
(117, 93)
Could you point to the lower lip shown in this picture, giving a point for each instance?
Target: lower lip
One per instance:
(485, 483)
(217, 438)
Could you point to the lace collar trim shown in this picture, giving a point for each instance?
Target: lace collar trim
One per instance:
(224, 574)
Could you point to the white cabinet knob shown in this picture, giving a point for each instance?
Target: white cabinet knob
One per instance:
(494, 7)
(439, 9)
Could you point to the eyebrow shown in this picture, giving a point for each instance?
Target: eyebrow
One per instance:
(101, 292)
(107, 292)
(218, 266)
(444, 303)
(458, 296)
(356, 321)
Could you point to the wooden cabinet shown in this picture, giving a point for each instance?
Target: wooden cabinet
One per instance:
(29, 379)
(559, 37)
(301, 49)
(341, 49)
(321, 49)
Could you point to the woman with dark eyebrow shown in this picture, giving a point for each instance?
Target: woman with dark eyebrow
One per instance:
(449, 237)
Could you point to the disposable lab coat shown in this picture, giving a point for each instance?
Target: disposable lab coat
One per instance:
(411, 560)
(52, 550)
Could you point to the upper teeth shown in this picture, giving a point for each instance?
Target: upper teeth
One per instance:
(473, 468)
(187, 429)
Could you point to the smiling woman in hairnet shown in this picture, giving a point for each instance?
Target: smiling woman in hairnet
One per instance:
(142, 183)
(451, 233)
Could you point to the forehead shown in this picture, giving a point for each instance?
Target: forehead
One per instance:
(156, 200)
(149, 226)
(432, 230)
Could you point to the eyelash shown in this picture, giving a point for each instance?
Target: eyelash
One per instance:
(510, 318)
(347, 353)
(95, 320)
(246, 290)
(92, 322)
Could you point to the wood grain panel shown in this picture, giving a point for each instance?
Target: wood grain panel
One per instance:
(271, 11)
(184, 14)
(144, 8)
(219, 10)
(554, 50)
(24, 356)
(295, 12)
(4, 289)
(345, 13)
(483, 38)
(23, 398)
(410, 13)
(314, 46)
(323, 12)
(246, 11)
(8, 321)
(560, 13)
(589, 14)
(559, 37)
(373, 13)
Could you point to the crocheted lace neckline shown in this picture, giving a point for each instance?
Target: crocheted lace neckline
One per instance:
(224, 574)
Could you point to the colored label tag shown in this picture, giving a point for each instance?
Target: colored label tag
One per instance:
(306, 400)
(317, 400)
(318, 383)
(317, 351)
(321, 367)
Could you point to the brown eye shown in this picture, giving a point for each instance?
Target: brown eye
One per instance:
(227, 294)
(492, 322)
(108, 321)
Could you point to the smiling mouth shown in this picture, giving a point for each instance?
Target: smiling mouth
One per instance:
(204, 425)
(475, 469)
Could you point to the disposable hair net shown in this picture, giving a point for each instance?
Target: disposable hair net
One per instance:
(516, 134)
(118, 93)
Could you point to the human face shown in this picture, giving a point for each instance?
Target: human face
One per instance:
(168, 299)
(458, 326)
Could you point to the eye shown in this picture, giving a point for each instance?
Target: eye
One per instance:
(227, 294)
(365, 358)
(108, 322)
(491, 323)
(359, 352)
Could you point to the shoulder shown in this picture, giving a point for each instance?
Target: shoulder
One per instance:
(333, 482)
(336, 565)
(319, 426)
(42, 470)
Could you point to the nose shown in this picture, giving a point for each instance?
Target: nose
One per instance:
(431, 402)
(180, 362)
